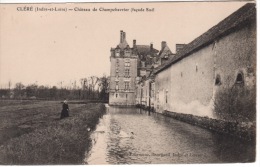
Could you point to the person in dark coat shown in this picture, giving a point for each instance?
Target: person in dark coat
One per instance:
(65, 110)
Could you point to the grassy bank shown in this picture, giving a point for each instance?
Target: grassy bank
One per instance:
(33, 134)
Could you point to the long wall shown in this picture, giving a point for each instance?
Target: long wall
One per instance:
(186, 86)
(189, 86)
(236, 53)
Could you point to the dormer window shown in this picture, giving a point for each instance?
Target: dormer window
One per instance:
(127, 53)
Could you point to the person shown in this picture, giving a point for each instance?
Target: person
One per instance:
(65, 110)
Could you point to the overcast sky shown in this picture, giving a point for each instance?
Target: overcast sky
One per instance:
(49, 47)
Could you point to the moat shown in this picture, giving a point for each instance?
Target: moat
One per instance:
(135, 136)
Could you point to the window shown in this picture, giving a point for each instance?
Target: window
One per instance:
(127, 62)
(116, 95)
(166, 96)
(152, 92)
(240, 78)
(218, 80)
(117, 87)
(127, 53)
(117, 72)
(126, 85)
(158, 96)
(127, 72)
(143, 64)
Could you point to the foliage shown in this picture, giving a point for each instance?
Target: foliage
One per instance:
(93, 87)
(237, 103)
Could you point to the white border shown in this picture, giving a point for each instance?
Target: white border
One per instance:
(257, 163)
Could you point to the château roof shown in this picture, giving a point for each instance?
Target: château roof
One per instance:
(145, 49)
(165, 50)
(234, 21)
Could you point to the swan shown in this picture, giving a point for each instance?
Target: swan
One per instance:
(123, 134)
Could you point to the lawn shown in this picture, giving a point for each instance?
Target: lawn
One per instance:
(31, 132)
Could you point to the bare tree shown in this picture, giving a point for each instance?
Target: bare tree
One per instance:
(18, 90)
(93, 82)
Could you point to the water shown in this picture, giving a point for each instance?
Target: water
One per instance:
(133, 136)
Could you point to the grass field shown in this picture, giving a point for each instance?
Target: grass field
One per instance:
(31, 132)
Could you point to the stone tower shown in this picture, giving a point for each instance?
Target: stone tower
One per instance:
(123, 73)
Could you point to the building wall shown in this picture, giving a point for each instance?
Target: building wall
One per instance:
(189, 85)
(122, 96)
(236, 53)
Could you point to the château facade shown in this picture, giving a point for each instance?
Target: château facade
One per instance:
(127, 65)
(212, 76)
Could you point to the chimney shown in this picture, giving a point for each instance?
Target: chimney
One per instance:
(124, 36)
(134, 43)
(121, 36)
(151, 46)
(163, 45)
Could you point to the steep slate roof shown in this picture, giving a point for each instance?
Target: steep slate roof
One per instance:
(145, 49)
(164, 51)
(223, 28)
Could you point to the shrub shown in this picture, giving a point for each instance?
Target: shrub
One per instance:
(236, 104)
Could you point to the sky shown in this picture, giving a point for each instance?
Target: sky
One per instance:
(52, 47)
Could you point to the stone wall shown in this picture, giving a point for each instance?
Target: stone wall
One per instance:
(186, 86)
(122, 96)
(189, 85)
(235, 55)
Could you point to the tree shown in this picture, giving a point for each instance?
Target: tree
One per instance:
(31, 90)
(103, 87)
(93, 82)
(19, 90)
(84, 85)
(53, 92)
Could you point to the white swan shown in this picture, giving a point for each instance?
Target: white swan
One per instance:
(123, 134)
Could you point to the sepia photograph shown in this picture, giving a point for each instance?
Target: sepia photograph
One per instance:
(107, 83)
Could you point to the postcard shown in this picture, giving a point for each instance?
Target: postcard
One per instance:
(128, 83)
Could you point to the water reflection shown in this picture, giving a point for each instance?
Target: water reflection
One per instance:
(135, 136)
